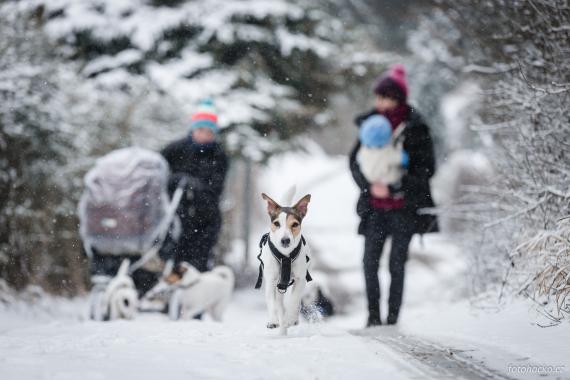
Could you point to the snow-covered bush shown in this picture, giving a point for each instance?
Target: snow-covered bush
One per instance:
(546, 256)
(521, 59)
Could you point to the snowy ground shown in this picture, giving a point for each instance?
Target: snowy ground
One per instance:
(429, 343)
(440, 335)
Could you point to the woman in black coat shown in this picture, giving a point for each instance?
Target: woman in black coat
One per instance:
(201, 161)
(392, 210)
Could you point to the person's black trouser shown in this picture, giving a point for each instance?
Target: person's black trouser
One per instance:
(380, 225)
(195, 245)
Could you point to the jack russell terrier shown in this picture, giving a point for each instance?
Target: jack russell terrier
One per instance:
(284, 263)
(192, 293)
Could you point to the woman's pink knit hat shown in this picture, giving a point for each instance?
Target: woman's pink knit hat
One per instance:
(393, 84)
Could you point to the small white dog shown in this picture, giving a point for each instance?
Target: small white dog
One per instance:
(193, 293)
(284, 264)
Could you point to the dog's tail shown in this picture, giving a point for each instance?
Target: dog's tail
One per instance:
(225, 273)
(289, 195)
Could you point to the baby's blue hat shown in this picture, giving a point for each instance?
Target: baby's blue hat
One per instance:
(375, 131)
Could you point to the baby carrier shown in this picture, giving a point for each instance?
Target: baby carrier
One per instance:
(386, 164)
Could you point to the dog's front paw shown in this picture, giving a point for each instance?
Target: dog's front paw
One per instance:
(271, 325)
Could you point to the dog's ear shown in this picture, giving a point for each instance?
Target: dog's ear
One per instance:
(302, 205)
(272, 206)
(183, 267)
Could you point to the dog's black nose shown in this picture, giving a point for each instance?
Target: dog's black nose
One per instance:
(285, 242)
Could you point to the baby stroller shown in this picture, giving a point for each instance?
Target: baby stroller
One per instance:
(128, 225)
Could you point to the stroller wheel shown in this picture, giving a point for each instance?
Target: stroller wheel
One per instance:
(98, 310)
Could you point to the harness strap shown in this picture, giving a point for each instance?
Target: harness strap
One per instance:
(284, 261)
(398, 134)
(308, 276)
(285, 269)
(262, 242)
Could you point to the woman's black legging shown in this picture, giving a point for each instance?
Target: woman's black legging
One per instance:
(380, 225)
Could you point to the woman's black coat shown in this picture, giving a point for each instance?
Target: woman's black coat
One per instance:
(415, 183)
(205, 167)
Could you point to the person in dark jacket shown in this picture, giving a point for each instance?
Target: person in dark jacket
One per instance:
(394, 210)
(201, 162)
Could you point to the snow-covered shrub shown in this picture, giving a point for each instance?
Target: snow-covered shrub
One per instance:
(546, 257)
(521, 59)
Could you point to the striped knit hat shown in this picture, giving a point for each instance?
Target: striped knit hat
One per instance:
(205, 116)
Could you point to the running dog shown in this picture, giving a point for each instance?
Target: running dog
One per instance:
(192, 293)
(284, 262)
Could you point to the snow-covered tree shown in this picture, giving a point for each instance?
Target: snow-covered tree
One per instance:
(520, 55)
(265, 63)
(35, 144)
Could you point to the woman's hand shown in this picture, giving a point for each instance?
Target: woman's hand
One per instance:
(379, 190)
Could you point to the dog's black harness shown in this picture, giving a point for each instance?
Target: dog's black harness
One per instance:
(284, 261)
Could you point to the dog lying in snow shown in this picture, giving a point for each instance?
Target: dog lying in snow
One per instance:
(193, 293)
(284, 263)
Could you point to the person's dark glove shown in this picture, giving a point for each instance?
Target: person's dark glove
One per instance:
(189, 184)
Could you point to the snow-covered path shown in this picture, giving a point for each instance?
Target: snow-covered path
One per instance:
(152, 347)
(67, 346)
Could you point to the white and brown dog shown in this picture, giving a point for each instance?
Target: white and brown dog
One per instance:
(284, 263)
(192, 293)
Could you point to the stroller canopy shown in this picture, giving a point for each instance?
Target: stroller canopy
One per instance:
(124, 202)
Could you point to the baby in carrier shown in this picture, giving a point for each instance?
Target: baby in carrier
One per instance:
(381, 156)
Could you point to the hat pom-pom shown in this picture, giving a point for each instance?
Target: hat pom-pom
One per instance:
(207, 102)
(398, 71)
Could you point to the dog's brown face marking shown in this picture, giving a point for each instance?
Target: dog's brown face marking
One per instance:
(294, 224)
(176, 275)
(172, 278)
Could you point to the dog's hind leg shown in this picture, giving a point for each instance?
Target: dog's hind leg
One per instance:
(218, 309)
(190, 313)
(270, 295)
